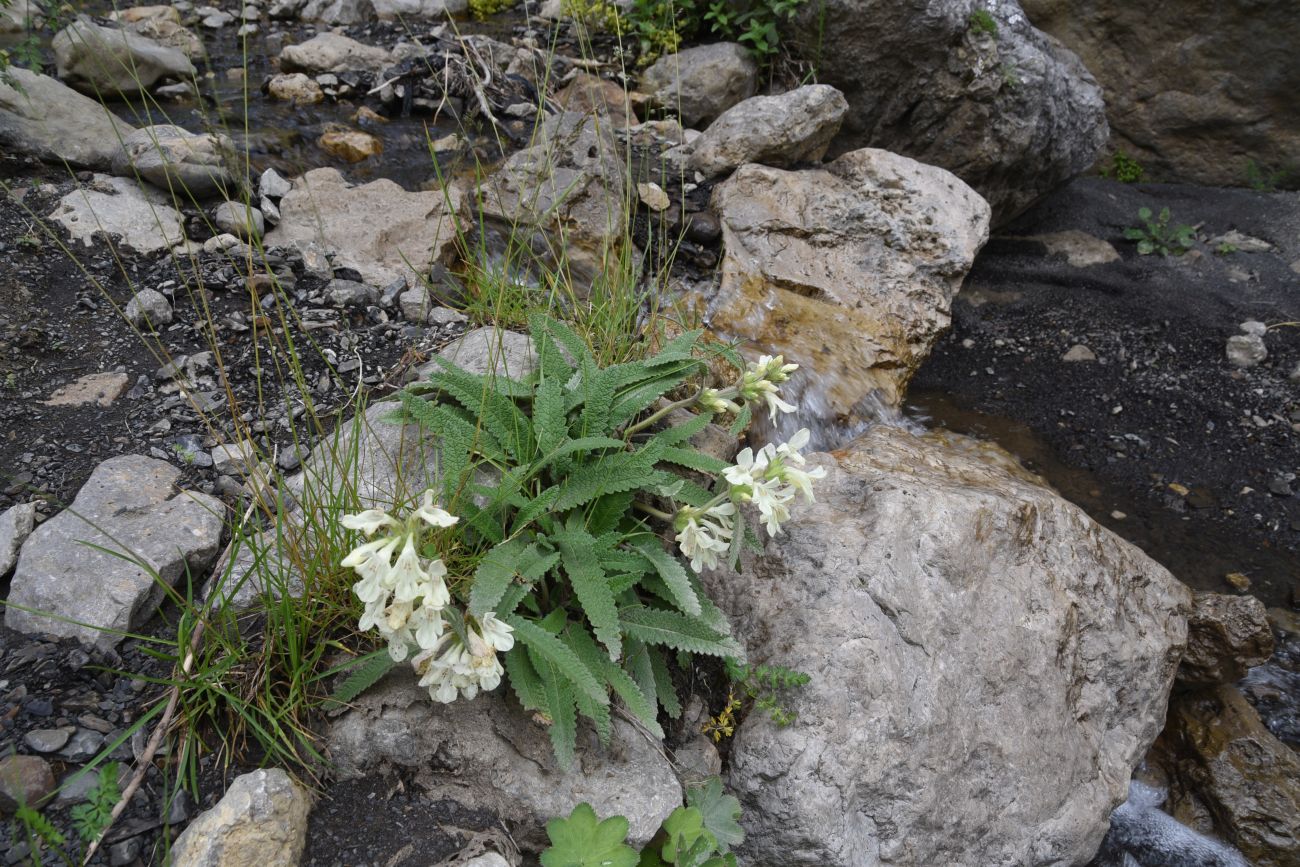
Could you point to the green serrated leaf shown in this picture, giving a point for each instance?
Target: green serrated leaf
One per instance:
(612, 474)
(719, 811)
(674, 576)
(558, 654)
(663, 683)
(743, 418)
(678, 434)
(560, 707)
(524, 679)
(581, 564)
(582, 841)
(640, 704)
(695, 460)
(676, 631)
(493, 576)
(369, 671)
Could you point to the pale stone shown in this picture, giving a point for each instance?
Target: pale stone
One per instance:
(100, 60)
(97, 388)
(16, 524)
(295, 87)
(188, 165)
(783, 130)
(261, 820)
(43, 117)
(142, 218)
(702, 82)
(331, 52)
(1080, 249)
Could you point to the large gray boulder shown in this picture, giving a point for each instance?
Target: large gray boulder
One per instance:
(140, 217)
(988, 664)
(104, 61)
(188, 165)
(849, 270)
(151, 533)
(701, 83)
(1011, 112)
(1201, 91)
(19, 16)
(571, 186)
(331, 52)
(490, 754)
(360, 11)
(379, 229)
(48, 120)
(1226, 637)
(793, 127)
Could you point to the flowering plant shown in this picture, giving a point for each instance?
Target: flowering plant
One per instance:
(553, 493)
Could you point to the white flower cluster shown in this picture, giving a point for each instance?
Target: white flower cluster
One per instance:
(757, 384)
(769, 479)
(407, 602)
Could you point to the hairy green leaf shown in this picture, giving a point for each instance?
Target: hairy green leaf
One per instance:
(582, 841)
(369, 671)
(556, 652)
(719, 811)
(582, 565)
(673, 574)
(493, 576)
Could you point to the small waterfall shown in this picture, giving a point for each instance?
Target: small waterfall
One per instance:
(810, 393)
(1142, 835)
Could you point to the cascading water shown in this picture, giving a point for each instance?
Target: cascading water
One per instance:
(1142, 835)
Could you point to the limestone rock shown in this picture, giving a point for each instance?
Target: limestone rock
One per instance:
(489, 754)
(795, 127)
(1245, 351)
(1232, 776)
(100, 60)
(331, 52)
(262, 819)
(242, 221)
(352, 145)
(988, 664)
(701, 83)
(1080, 249)
(148, 309)
(571, 185)
(130, 506)
(264, 564)
(143, 219)
(97, 388)
(590, 94)
(162, 24)
(376, 228)
(849, 270)
(16, 524)
(45, 118)
(186, 164)
(1012, 113)
(20, 16)
(395, 463)
(358, 11)
(295, 87)
(1226, 636)
(1183, 84)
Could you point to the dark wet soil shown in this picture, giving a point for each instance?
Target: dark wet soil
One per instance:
(1160, 438)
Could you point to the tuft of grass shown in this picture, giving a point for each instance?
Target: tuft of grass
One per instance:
(982, 21)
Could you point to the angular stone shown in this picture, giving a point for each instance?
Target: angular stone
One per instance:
(376, 229)
(702, 82)
(24, 781)
(393, 464)
(96, 388)
(295, 87)
(850, 271)
(131, 508)
(358, 11)
(1011, 112)
(1226, 636)
(143, 219)
(987, 664)
(16, 524)
(1232, 777)
(240, 220)
(45, 118)
(1080, 249)
(492, 742)
(590, 94)
(162, 24)
(187, 165)
(352, 145)
(331, 52)
(262, 819)
(794, 127)
(570, 185)
(20, 16)
(148, 309)
(105, 61)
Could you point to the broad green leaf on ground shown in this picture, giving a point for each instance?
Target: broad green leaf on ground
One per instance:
(720, 812)
(582, 841)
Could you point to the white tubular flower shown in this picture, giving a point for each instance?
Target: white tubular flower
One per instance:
(775, 404)
(773, 501)
(500, 635)
(748, 467)
(427, 625)
(433, 515)
(435, 590)
(371, 559)
(772, 368)
(703, 536)
(368, 521)
(407, 573)
(802, 480)
(484, 665)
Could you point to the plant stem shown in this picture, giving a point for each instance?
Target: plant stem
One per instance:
(645, 423)
(651, 510)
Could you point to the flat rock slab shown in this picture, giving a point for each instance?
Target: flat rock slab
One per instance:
(262, 819)
(487, 753)
(97, 388)
(141, 218)
(130, 506)
(49, 120)
(379, 229)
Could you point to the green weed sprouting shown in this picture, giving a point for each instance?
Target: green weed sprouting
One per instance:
(700, 834)
(93, 816)
(1156, 235)
(982, 21)
(482, 9)
(660, 26)
(765, 684)
(547, 550)
(1123, 168)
